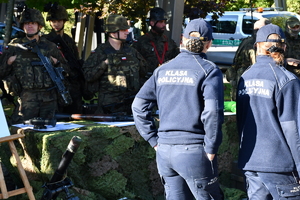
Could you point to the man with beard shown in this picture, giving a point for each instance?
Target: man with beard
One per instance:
(115, 70)
(244, 57)
(292, 30)
(155, 46)
(57, 16)
(27, 76)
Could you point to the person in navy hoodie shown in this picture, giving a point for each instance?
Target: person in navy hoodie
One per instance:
(188, 91)
(268, 118)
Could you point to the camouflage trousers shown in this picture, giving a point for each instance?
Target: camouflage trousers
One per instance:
(109, 103)
(38, 103)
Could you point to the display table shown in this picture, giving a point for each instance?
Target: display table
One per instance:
(111, 162)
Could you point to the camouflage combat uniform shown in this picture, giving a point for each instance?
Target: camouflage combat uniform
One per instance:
(75, 78)
(148, 44)
(292, 51)
(244, 57)
(37, 94)
(116, 81)
(69, 49)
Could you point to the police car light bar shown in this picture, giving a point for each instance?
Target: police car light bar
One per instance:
(260, 9)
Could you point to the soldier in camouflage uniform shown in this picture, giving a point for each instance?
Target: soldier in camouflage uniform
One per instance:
(155, 46)
(115, 70)
(292, 30)
(57, 16)
(31, 82)
(244, 57)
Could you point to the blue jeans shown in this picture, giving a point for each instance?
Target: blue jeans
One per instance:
(187, 173)
(272, 186)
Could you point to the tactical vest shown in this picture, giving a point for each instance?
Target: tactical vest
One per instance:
(30, 75)
(122, 74)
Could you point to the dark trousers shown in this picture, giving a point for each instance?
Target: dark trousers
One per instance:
(187, 173)
(272, 186)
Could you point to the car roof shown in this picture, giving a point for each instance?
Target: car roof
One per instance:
(259, 14)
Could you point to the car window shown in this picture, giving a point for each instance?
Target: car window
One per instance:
(226, 24)
(247, 24)
(279, 20)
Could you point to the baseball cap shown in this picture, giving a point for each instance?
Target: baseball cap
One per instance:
(264, 32)
(201, 26)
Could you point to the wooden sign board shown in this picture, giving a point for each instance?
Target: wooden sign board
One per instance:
(4, 131)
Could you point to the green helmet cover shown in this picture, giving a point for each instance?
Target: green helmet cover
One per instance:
(57, 13)
(115, 23)
(32, 15)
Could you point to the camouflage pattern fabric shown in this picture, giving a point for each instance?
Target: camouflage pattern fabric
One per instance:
(121, 77)
(76, 82)
(32, 15)
(144, 47)
(292, 51)
(244, 57)
(32, 83)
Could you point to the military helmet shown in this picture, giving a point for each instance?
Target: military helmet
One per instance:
(157, 14)
(32, 15)
(115, 23)
(292, 22)
(57, 13)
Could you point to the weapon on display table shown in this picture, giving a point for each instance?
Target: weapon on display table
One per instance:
(55, 73)
(95, 117)
(40, 123)
(58, 183)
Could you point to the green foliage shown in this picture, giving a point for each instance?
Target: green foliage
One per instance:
(119, 146)
(112, 184)
(233, 194)
(293, 6)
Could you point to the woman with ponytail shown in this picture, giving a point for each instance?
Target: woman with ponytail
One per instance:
(188, 91)
(268, 119)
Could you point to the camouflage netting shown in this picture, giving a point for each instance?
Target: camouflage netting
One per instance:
(111, 163)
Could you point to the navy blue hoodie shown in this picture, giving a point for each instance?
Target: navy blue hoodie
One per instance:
(189, 93)
(268, 118)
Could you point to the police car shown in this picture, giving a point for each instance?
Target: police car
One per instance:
(233, 26)
(14, 33)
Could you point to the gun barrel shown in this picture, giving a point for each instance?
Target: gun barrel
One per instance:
(95, 117)
(66, 159)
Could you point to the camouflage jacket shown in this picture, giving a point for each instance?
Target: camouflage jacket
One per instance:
(25, 73)
(72, 48)
(123, 74)
(292, 51)
(244, 57)
(145, 47)
(292, 47)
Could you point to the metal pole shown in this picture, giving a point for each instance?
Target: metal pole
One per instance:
(8, 21)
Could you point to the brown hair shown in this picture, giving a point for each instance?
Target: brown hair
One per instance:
(264, 49)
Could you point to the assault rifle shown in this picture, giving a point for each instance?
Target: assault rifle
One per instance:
(55, 73)
(58, 183)
(69, 55)
(94, 117)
